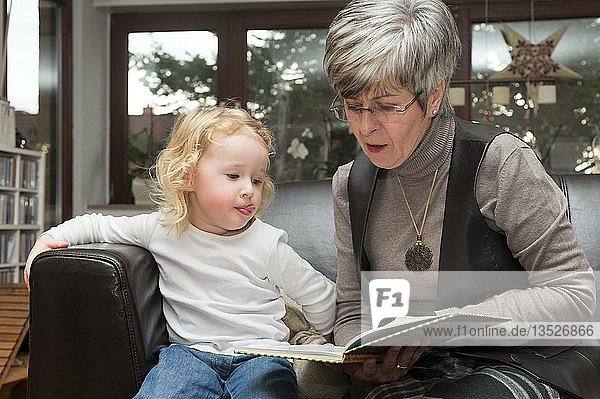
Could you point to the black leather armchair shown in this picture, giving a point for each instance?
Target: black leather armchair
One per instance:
(96, 312)
(96, 315)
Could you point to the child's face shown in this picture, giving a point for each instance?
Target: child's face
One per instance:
(227, 186)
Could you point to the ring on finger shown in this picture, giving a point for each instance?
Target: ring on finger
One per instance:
(402, 367)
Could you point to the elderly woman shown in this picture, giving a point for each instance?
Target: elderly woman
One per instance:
(447, 195)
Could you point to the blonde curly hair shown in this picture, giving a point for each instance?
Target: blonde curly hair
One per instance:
(175, 165)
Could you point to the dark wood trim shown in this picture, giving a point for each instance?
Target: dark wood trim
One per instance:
(168, 21)
(464, 67)
(224, 64)
(300, 19)
(544, 9)
(66, 125)
(118, 109)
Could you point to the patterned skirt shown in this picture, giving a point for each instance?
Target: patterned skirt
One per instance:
(443, 374)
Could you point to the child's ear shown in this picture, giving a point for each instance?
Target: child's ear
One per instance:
(189, 183)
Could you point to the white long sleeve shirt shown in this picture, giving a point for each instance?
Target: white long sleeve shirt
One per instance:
(218, 291)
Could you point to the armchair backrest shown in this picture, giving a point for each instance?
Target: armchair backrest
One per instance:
(583, 195)
(305, 211)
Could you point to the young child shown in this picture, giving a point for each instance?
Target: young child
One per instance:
(221, 268)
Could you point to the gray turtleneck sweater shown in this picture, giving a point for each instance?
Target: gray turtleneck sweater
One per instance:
(516, 196)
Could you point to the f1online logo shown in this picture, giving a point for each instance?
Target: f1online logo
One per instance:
(389, 300)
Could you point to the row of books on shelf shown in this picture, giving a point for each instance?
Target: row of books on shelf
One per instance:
(7, 245)
(27, 241)
(28, 208)
(7, 171)
(7, 275)
(29, 172)
(7, 124)
(7, 208)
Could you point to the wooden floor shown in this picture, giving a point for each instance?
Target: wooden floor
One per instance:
(14, 325)
(15, 383)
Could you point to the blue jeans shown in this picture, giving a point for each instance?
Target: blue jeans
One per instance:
(184, 372)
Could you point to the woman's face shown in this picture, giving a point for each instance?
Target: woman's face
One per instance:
(389, 141)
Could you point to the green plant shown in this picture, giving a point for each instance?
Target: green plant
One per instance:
(142, 150)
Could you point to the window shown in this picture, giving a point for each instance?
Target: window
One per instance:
(168, 73)
(548, 96)
(38, 86)
(288, 90)
(268, 62)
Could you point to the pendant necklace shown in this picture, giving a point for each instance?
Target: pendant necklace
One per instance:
(418, 257)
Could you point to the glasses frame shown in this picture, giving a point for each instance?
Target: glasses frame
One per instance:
(340, 109)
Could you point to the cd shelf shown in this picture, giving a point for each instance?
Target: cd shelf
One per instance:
(21, 208)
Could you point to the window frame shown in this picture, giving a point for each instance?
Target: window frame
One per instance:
(64, 113)
(231, 28)
(509, 11)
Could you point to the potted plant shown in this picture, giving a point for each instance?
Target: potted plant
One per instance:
(141, 153)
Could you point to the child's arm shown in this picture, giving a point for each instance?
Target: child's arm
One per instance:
(44, 243)
(92, 228)
(314, 292)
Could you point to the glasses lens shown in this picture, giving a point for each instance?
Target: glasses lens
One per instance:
(338, 111)
(381, 111)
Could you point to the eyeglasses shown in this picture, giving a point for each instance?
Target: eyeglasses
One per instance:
(381, 111)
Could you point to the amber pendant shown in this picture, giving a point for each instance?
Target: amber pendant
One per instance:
(418, 257)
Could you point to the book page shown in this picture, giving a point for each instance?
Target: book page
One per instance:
(411, 330)
(312, 352)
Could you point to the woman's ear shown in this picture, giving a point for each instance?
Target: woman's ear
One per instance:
(435, 100)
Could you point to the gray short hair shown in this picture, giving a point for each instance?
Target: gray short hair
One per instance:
(387, 45)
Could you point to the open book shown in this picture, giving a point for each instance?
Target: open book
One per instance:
(374, 343)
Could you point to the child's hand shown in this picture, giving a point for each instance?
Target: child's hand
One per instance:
(43, 243)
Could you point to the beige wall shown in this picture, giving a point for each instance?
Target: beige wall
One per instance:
(90, 110)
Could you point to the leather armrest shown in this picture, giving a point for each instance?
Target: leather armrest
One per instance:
(96, 321)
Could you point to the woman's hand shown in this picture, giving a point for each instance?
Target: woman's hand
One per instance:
(43, 243)
(396, 363)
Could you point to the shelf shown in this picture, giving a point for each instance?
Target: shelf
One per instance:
(20, 151)
(18, 371)
(20, 227)
(22, 175)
